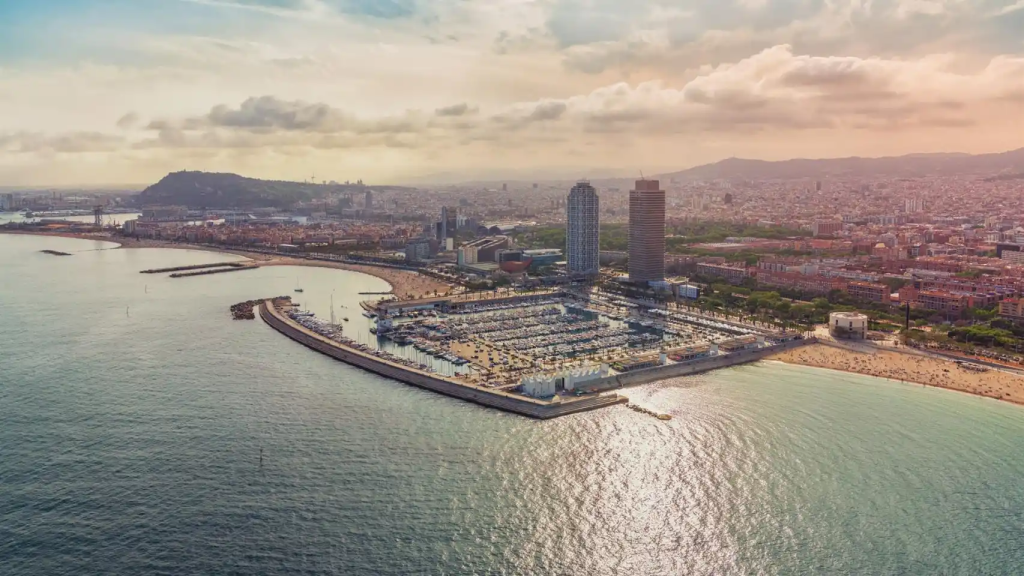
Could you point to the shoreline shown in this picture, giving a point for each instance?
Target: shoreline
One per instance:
(910, 369)
(403, 283)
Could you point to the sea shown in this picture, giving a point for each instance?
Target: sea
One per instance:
(143, 431)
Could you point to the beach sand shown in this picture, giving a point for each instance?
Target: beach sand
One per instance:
(404, 283)
(910, 368)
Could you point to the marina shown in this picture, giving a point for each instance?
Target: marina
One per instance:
(503, 341)
(552, 348)
(331, 341)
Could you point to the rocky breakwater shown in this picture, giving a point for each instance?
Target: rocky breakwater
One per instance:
(642, 410)
(247, 310)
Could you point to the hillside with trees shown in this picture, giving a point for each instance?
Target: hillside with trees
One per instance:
(199, 190)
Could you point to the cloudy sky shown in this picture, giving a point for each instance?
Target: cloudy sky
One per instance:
(123, 91)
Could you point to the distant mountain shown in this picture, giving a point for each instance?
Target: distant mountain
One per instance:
(495, 178)
(910, 166)
(224, 191)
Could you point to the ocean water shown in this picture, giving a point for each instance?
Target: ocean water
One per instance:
(133, 411)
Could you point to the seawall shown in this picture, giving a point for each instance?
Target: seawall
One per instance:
(485, 397)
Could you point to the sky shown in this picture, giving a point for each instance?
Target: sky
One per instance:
(391, 91)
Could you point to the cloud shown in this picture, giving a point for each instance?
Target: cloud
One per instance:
(268, 112)
(1003, 11)
(547, 111)
(128, 121)
(67, 143)
(455, 110)
(649, 36)
(774, 91)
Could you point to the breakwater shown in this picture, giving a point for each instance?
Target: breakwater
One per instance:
(642, 410)
(214, 271)
(484, 396)
(55, 253)
(246, 310)
(197, 267)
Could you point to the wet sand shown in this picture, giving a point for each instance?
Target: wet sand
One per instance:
(910, 368)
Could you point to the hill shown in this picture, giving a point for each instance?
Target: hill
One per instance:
(910, 166)
(225, 191)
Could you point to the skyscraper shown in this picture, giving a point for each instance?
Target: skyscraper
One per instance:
(449, 223)
(582, 238)
(368, 202)
(647, 232)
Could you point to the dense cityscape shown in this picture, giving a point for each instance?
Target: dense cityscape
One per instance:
(949, 248)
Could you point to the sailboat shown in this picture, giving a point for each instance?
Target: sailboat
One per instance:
(297, 288)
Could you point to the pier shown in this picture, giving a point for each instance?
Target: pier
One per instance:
(214, 271)
(242, 264)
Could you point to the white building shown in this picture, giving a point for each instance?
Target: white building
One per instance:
(546, 385)
(539, 385)
(913, 205)
(466, 255)
(582, 239)
(849, 325)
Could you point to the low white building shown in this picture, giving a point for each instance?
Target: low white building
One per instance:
(546, 385)
(539, 385)
(577, 377)
(848, 325)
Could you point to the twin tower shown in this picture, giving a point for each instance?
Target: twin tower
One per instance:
(646, 232)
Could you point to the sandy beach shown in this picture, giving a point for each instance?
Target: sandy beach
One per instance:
(404, 283)
(910, 368)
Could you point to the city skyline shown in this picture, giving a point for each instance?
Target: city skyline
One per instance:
(117, 91)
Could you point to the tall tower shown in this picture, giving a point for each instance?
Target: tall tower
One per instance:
(583, 232)
(368, 201)
(647, 232)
